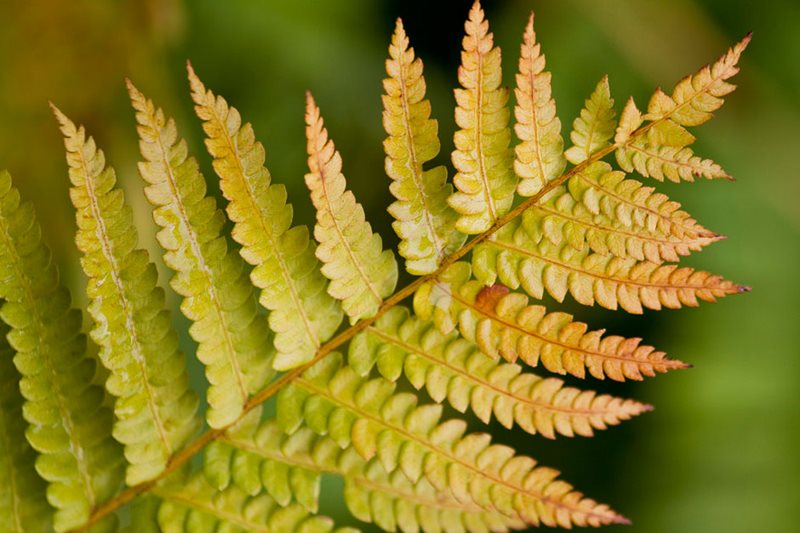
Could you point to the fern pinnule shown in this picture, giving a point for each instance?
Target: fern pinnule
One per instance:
(260, 455)
(154, 407)
(377, 422)
(485, 182)
(452, 368)
(302, 314)
(594, 128)
(505, 324)
(361, 272)
(424, 222)
(233, 340)
(23, 506)
(191, 503)
(539, 157)
(67, 422)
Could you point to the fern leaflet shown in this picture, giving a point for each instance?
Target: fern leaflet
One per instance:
(594, 128)
(232, 339)
(425, 223)
(192, 504)
(362, 273)
(154, 407)
(482, 157)
(67, 422)
(539, 158)
(23, 506)
(302, 314)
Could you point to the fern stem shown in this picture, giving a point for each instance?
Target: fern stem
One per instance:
(194, 447)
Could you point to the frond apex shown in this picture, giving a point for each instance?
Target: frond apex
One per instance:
(399, 37)
(65, 124)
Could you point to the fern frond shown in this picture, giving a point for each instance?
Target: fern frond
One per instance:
(424, 221)
(290, 467)
(452, 368)
(695, 98)
(23, 506)
(233, 340)
(154, 408)
(593, 129)
(362, 273)
(539, 157)
(515, 259)
(504, 324)
(193, 504)
(371, 418)
(660, 149)
(302, 314)
(67, 422)
(482, 156)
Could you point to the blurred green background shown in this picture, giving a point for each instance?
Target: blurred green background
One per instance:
(719, 454)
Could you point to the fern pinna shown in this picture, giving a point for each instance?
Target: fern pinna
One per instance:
(119, 425)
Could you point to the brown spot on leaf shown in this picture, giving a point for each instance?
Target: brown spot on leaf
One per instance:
(488, 297)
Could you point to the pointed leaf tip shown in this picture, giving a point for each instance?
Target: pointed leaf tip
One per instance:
(476, 14)
(190, 70)
(60, 116)
(531, 20)
(746, 40)
(67, 126)
(133, 91)
(195, 83)
(399, 37)
(310, 103)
